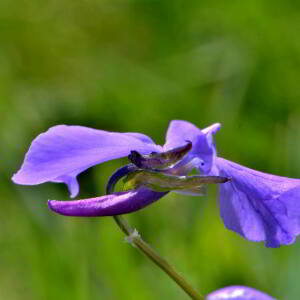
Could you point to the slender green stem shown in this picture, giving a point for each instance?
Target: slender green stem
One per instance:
(136, 239)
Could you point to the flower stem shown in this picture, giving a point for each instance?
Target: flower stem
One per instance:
(156, 258)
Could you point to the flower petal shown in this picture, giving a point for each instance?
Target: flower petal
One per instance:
(238, 293)
(203, 152)
(143, 138)
(179, 132)
(109, 205)
(259, 206)
(63, 152)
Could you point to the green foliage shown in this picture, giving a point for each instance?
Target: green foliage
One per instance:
(134, 65)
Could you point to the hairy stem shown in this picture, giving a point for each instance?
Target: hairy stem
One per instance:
(156, 258)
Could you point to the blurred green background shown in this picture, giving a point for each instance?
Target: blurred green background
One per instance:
(133, 66)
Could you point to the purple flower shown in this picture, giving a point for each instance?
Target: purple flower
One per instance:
(63, 152)
(258, 206)
(238, 293)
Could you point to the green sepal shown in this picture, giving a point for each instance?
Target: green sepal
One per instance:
(162, 182)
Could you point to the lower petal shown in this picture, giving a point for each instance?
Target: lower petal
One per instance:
(259, 206)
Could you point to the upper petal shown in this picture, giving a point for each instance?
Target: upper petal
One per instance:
(238, 293)
(203, 152)
(179, 132)
(108, 205)
(63, 152)
(259, 206)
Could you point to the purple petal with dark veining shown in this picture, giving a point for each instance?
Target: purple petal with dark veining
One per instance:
(259, 206)
(238, 293)
(109, 205)
(63, 152)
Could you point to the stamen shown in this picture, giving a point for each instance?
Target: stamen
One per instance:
(160, 161)
(148, 171)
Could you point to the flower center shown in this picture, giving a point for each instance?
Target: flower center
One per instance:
(159, 172)
(160, 161)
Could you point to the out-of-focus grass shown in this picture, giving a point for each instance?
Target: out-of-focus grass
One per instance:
(134, 66)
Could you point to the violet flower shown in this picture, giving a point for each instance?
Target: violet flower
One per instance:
(63, 152)
(238, 293)
(258, 206)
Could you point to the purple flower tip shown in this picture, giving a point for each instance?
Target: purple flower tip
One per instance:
(108, 205)
(238, 293)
